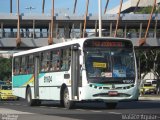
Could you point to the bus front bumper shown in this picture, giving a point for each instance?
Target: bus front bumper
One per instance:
(92, 94)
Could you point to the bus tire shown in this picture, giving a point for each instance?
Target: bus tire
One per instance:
(29, 99)
(111, 105)
(67, 103)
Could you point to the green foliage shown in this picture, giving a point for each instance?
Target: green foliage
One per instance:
(147, 10)
(149, 60)
(5, 68)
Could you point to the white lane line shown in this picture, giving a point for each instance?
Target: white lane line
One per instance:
(95, 111)
(115, 113)
(17, 104)
(80, 110)
(54, 107)
(10, 111)
(24, 105)
(43, 106)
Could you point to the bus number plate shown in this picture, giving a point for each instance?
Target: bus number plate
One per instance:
(112, 93)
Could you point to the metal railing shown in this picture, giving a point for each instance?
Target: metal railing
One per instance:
(75, 34)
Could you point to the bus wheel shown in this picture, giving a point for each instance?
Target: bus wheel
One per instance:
(29, 99)
(111, 105)
(67, 103)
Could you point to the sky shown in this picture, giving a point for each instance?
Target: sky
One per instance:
(60, 6)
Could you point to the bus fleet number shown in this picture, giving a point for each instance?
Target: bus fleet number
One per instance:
(128, 81)
(47, 79)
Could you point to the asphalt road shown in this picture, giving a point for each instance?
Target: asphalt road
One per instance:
(137, 110)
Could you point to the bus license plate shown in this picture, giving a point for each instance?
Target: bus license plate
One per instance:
(112, 93)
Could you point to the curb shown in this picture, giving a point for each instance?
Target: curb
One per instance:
(150, 98)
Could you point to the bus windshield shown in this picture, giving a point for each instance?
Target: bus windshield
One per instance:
(109, 63)
(5, 87)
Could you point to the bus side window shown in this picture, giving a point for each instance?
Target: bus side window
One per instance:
(24, 65)
(30, 67)
(17, 65)
(45, 61)
(26, 71)
(42, 64)
(55, 60)
(66, 58)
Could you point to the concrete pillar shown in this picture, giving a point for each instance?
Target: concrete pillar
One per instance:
(33, 29)
(66, 31)
(73, 34)
(41, 34)
(125, 31)
(57, 31)
(140, 30)
(96, 29)
(11, 33)
(110, 29)
(81, 30)
(2, 30)
(155, 30)
(49, 29)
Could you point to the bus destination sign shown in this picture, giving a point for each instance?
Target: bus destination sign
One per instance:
(106, 44)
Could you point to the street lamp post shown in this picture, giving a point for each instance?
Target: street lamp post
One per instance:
(100, 18)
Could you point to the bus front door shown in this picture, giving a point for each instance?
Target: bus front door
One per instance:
(75, 72)
(36, 74)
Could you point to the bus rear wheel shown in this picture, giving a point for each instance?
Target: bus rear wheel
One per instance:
(111, 105)
(67, 103)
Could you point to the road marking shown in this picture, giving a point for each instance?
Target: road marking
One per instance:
(42, 106)
(10, 111)
(25, 105)
(17, 104)
(54, 107)
(95, 111)
(80, 110)
(115, 113)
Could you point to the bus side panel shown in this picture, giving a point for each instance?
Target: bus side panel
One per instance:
(50, 85)
(20, 83)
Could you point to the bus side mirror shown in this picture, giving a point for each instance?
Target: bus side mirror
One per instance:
(83, 67)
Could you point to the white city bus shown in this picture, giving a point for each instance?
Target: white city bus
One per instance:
(87, 69)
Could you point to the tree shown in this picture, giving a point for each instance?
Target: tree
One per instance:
(149, 61)
(5, 68)
(147, 10)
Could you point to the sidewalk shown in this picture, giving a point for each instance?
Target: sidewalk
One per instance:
(150, 97)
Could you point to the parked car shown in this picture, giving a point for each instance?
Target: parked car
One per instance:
(148, 87)
(6, 93)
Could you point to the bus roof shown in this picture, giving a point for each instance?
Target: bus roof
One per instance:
(74, 41)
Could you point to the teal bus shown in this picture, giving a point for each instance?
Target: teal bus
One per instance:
(87, 69)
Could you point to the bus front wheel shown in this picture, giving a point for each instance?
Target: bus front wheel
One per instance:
(67, 103)
(29, 99)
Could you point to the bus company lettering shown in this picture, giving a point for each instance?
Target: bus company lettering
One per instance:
(47, 79)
